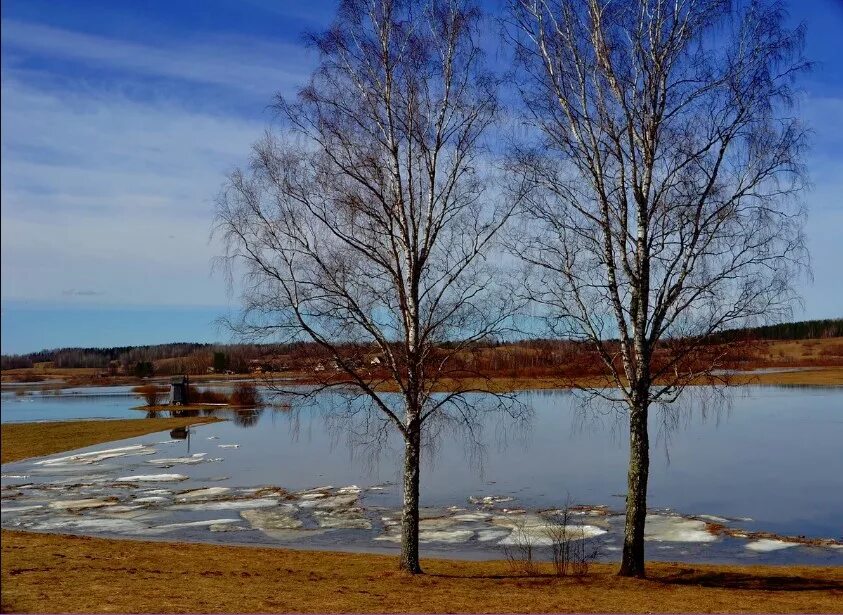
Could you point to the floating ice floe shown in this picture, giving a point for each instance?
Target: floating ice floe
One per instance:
(442, 536)
(279, 519)
(474, 516)
(228, 445)
(489, 500)
(227, 527)
(152, 478)
(169, 527)
(152, 499)
(213, 437)
(767, 545)
(193, 459)
(713, 518)
(334, 501)
(228, 504)
(13, 476)
(672, 528)
(491, 535)
(349, 489)
(202, 494)
(88, 524)
(11, 510)
(81, 504)
(96, 456)
(348, 520)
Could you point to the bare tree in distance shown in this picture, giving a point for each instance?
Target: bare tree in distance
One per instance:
(662, 204)
(365, 225)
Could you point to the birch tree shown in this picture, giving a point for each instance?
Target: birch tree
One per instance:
(662, 188)
(365, 224)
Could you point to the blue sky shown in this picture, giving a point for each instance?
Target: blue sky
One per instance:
(120, 119)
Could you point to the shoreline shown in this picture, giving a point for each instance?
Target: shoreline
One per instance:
(21, 441)
(44, 571)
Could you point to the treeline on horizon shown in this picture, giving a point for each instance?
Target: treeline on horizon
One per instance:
(192, 357)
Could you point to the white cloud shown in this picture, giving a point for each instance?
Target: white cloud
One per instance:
(251, 65)
(102, 192)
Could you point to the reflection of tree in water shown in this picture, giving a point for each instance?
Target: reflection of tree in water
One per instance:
(153, 414)
(247, 418)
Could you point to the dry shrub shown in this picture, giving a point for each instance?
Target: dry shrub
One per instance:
(151, 393)
(245, 394)
(205, 396)
(571, 549)
(521, 552)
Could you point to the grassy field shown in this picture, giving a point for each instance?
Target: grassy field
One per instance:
(53, 573)
(21, 440)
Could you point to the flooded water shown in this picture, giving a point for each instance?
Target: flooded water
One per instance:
(770, 461)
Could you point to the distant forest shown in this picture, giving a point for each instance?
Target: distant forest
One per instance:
(187, 357)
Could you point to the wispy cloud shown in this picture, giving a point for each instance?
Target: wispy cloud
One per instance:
(254, 66)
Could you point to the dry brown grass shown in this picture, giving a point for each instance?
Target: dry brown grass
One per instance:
(22, 440)
(53, 573)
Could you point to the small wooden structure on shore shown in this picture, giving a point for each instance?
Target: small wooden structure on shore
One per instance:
(179, 390)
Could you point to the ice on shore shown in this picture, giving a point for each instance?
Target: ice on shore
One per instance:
(672, 528)
(204, 493)
(767, 545)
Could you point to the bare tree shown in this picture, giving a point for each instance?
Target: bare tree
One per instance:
(662, 188)
(364, 226)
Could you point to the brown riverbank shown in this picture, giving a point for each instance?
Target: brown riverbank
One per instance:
(22, 440)
(54, 573)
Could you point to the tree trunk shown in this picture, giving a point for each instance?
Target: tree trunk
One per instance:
(410, 513)
(636, 495)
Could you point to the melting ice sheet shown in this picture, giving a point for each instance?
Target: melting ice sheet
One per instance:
(267, 483)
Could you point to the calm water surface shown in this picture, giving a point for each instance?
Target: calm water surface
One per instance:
(770, 460)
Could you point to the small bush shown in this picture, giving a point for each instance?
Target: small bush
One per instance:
(205, 396)
(152, 394)
(245, 394)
